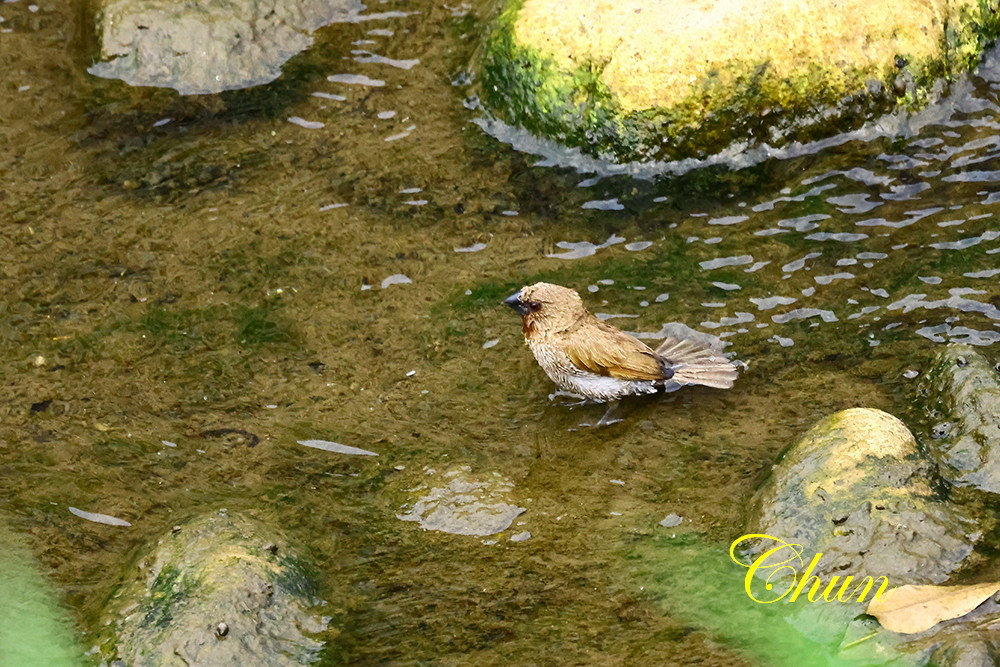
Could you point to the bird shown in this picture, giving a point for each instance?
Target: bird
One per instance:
(601, 363)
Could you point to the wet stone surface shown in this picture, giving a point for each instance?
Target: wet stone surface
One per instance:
(220, 590)
(961, 397)
(857, 489)
(462, 503)
(207, 47)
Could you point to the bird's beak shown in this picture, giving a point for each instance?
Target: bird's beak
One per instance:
(514, 301)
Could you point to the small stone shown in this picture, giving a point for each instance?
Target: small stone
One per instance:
(221, 630)
(941, 430)
(460, 502)
(671, 520)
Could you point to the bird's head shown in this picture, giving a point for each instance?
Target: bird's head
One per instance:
(546, 308)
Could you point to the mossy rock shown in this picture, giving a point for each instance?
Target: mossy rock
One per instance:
(639, 80)
(858, 489)
(219, 590)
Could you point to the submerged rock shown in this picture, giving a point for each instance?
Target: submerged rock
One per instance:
(962, 397)
(462, 503)
(857, 489)
(639, 80)
(220, 590)
(208, 46)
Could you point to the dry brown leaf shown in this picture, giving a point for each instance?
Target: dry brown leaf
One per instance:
(911, 609)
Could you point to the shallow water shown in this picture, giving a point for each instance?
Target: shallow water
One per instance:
(193, 286)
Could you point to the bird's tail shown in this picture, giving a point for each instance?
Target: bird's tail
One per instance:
(696, 363)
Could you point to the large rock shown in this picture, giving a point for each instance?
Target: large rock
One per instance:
(857, 490)
(220, 590)
(962, 398)
(636, 79)
(208, 46)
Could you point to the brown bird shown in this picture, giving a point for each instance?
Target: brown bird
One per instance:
(590, 358)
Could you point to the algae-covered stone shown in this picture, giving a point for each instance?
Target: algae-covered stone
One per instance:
(857, 489)
(636, 79)
(207, 46)
(962, 397)
(220, 590)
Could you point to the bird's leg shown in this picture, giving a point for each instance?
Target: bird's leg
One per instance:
(605, 420)
(580, 400)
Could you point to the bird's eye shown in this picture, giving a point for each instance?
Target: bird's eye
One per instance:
(534, 306)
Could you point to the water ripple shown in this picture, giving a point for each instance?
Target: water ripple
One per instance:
(578, 249)
(720, 262)
(804, 313)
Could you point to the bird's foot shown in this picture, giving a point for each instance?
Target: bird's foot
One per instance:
(606, 419)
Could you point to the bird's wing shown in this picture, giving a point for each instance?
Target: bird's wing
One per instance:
(604, 350)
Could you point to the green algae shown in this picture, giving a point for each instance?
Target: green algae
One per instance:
(170, 588)
(528, 89)
(34, 629)
(689, 577)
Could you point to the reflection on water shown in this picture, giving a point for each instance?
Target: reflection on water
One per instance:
(329, 446)
(207, 273)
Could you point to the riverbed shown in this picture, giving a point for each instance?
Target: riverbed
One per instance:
(194, 285)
